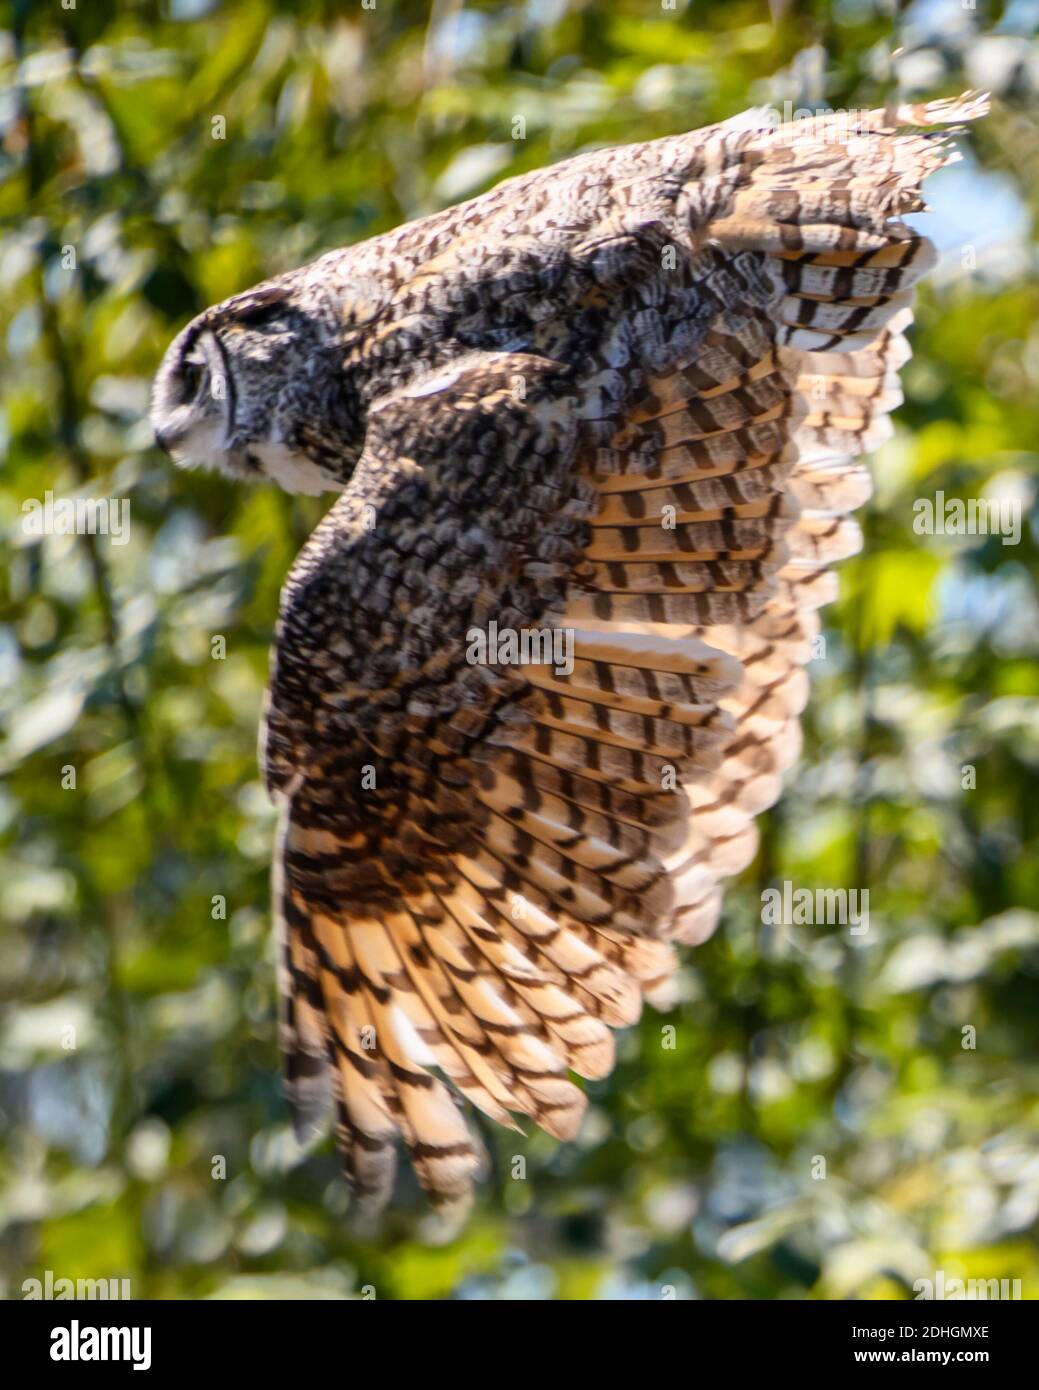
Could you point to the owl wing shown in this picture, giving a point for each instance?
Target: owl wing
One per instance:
(541, 835)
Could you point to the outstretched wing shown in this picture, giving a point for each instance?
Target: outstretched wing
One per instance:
(482, 867)
(465, 507)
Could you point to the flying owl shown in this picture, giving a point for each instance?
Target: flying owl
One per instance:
(619, 401)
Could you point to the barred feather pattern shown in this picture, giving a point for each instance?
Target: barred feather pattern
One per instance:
(626, 398)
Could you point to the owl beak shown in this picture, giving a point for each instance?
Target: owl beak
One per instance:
(164, 441)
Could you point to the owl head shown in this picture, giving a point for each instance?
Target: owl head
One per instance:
(255, 388)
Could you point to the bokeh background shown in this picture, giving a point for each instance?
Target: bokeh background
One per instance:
(138, 1039)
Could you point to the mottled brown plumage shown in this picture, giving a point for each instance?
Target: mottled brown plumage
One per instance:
(621, 399)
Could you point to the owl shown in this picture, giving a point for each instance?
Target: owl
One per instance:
(596, 438)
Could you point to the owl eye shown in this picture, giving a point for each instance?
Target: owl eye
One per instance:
(192, 374)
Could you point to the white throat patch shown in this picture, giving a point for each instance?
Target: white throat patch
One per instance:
(293, 471)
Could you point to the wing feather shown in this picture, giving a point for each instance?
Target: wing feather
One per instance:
(539, 836)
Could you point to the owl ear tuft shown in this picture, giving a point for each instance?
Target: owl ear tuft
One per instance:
(255, 307)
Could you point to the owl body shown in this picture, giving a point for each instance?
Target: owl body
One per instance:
(622, 400)
(581, 315)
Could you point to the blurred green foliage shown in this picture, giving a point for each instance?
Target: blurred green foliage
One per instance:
(137, 1040)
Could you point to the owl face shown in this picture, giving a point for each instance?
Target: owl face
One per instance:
(241, 387)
